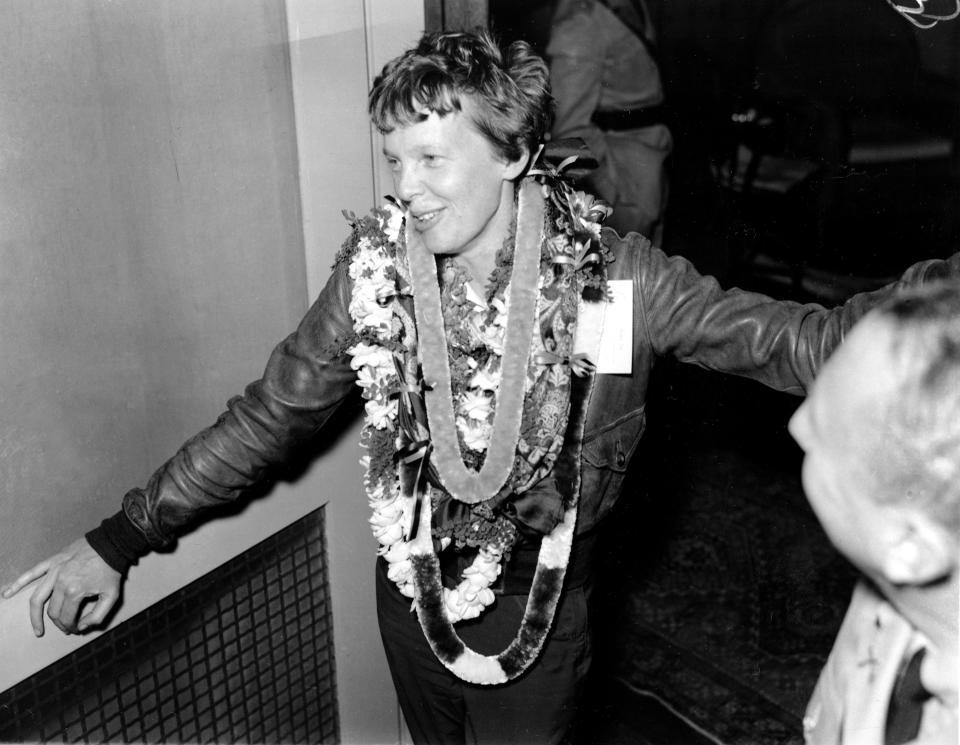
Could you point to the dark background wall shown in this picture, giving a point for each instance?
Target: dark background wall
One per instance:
(708, 46)
(864, 62)
(708, 600)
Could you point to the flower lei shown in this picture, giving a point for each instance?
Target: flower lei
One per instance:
(404, 464)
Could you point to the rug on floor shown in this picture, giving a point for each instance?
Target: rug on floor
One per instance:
(728, 594)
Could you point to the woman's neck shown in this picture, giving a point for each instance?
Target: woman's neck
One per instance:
(478, 271)
(481, 259)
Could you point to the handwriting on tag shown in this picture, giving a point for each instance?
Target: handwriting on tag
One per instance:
(605, 330)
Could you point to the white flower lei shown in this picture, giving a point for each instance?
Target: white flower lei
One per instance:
(377, 313)
(417, 434)
(428, 430)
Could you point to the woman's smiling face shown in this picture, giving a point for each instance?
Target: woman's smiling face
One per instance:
(457, 187)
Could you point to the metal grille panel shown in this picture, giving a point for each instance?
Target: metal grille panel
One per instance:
(242, 655)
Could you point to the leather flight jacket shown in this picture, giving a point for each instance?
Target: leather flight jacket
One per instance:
(677, 312)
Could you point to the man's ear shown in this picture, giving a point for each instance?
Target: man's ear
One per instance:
(918, 549)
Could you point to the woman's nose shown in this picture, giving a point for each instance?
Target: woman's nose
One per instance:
(406, 183)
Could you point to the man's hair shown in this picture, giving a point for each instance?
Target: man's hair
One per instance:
(920, 424)
(509, 86)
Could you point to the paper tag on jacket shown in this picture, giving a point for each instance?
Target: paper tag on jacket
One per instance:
(605, 330)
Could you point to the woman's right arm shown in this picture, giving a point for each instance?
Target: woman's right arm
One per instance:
(307, 377)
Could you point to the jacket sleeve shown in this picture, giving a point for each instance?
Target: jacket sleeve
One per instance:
(307, 377)
(780, 343)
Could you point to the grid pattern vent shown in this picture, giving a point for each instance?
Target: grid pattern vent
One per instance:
(242, 655)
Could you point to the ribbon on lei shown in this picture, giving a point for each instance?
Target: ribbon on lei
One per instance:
(580, 364)
(588, 253)
(569, 158)
(412, 420)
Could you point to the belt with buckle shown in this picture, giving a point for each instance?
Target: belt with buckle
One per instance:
(630, 118)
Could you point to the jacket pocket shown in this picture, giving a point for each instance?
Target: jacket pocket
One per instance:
(612, 445)
(606, 455)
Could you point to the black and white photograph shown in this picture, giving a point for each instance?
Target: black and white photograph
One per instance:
(480, 372)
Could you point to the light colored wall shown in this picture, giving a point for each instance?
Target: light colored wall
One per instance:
(153, 248)
(150, 256)
(336, 49)
(150, 251)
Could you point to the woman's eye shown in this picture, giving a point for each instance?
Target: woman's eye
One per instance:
(393, 164)
(431, 159)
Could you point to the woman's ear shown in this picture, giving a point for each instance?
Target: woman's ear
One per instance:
(516, 168)
(919, 550)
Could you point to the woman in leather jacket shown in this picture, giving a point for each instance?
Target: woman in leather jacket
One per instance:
(497, 437)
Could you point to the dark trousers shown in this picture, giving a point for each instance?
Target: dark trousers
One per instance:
(439, 708)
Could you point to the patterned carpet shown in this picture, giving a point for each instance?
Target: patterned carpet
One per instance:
(722, 595)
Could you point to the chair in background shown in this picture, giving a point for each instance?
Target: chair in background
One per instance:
(772, 199)
(843, 159)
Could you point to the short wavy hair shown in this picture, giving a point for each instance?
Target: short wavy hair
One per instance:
(917, 432)
(509, 85)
